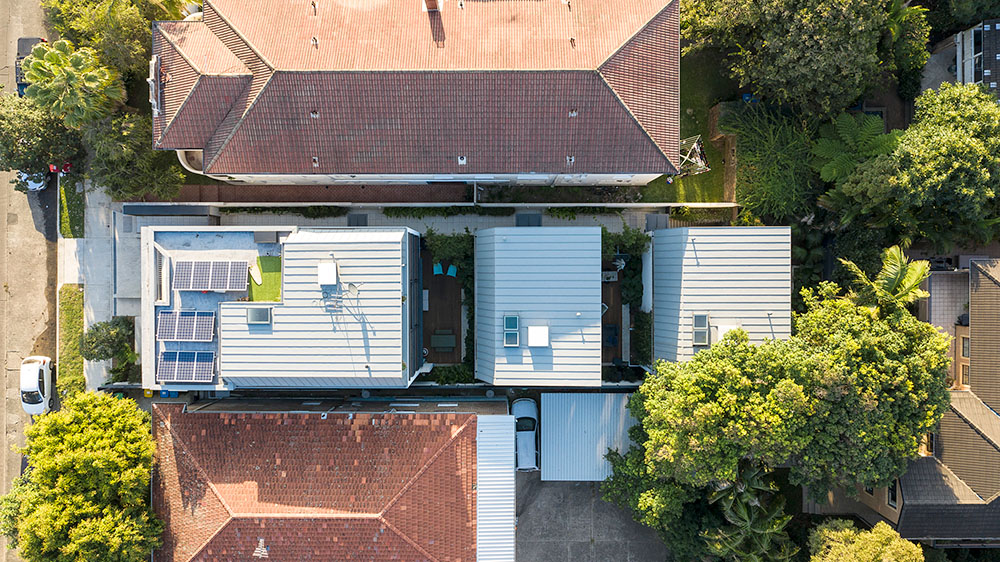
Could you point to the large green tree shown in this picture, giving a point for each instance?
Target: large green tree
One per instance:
(817, 55)
(838, 540)
(85, 494)
(71, 82)
(31, 138)
(942, 180)
(118, 30)
(123, 162)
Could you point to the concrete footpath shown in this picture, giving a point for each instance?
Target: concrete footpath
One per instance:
(89, 261)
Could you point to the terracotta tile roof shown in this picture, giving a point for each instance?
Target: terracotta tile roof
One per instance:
(364, 487)
(496, 82)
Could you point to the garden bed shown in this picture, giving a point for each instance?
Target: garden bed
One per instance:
(71, 208)
(69, 376)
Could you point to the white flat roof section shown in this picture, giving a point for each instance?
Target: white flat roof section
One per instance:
(495, 496)
(313, 341)
(577, 431)
(545, 277)
(738, 276)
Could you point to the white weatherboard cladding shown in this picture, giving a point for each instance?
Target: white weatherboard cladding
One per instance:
(495, 499)
(737, 275)
(360, 344)
(577, 431)
(546, 276)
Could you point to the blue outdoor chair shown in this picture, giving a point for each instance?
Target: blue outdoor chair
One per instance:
(452, 271)
(437, 269)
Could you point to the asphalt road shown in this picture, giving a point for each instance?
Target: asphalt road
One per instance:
(27, 261)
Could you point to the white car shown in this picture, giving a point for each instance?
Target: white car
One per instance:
(525, 412)
(37, 392)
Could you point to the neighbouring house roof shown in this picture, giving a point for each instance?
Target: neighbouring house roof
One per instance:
(739, 276)
(581, 429)
(301, 487)
(546, 276)
(389, 88)
(984, 330)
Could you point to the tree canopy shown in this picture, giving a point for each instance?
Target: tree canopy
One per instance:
(817, 55)
(942, 180)
(71, 82)
(108, 339)
(85, 494)
(31, 138)
(124, 163)
(838, 540)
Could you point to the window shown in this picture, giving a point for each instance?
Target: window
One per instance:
(700, 333)
(929, 444)
(524, 424)
(511, 331)
(869, 491)
(965, 347)
(41, 380)
(890, 493)
(965, 375)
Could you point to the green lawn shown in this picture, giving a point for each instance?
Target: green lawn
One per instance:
(704, 82)
(71, 207)
(270, 272)
(69, 375)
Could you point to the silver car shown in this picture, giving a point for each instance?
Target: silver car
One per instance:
(37, 392)
(525, 412)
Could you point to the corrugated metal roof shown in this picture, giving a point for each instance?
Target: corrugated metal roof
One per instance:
(739, 276)
(495, 489)
(578, 430)
(360, 344)
(545, 276)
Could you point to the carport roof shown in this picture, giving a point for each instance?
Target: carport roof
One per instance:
(577, 431)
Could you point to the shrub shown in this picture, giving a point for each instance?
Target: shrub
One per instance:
(423, 212)
(642, 338)
(108, 340)
(452, 374)
(631, 242)
(124, 163)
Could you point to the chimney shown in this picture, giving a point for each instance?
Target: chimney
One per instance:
(432, 5)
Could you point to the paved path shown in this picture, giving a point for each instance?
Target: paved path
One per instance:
(27, 262)
(88, 261)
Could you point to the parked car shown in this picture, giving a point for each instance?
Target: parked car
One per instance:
(37, 391)
(24, 46)
(51, 178)
(525, 412)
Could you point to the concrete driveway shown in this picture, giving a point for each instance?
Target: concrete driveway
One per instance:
(569, 522)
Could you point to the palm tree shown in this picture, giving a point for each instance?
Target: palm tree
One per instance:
(756, 530)
(71, 83)
(898, 281)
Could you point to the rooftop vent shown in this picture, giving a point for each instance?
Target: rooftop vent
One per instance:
(573, 113)
(314, 7)
(314, 114)
(461, 160)
(572, 42)
(315, 42)
(570, 160)
(538, 336)
(259, 315)
(315, 161)
(326, 272)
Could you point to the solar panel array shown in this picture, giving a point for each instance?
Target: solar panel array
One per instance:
(185, 325)
(185, 366)
(210, 275)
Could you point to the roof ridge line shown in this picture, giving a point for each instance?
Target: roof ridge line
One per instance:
(427, 465)
(973, 425)
(211, 486)
(634, 35)
(634, 117)
(232, 132)
(230, 25)
(305, 516)
(180, 51)
(408, 540)
(187, 98)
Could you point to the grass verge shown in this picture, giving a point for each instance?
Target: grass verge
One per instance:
(704, 82)
(71, 208)
(70, 368)
(270, 275)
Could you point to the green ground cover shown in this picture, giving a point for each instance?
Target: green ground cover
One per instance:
(270, 273)
(71, 208)
(69, 375)
(704, 82)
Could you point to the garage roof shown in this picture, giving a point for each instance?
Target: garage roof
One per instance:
(577, 431)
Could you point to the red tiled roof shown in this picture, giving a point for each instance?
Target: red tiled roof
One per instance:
(497, 85)
(368, 487)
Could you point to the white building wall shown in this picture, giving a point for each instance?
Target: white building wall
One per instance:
(546, 276)
(495, 489)
(739, 276)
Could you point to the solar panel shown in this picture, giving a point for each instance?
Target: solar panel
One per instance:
(185, 366)
(166, 326)
(220, 276)
(182, 275)
(238, 275)
(210, 275)
(185, 325)
(201, 275)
